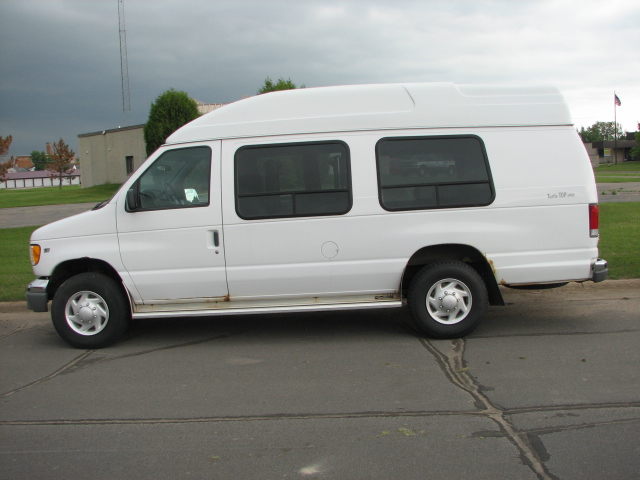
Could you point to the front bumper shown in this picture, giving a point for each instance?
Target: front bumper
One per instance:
(600, 270)
(37, 296)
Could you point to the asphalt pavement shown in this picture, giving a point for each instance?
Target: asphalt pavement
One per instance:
(41, 215)
(548, 387)
(618, 192)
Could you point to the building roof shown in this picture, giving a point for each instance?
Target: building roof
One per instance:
(614, 144)
(113, 130)
(371, 107)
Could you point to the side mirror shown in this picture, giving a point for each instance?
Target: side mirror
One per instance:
(132, 200)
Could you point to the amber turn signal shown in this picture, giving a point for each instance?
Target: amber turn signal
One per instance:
(35, 254)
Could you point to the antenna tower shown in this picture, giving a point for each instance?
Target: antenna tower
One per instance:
(124, 67)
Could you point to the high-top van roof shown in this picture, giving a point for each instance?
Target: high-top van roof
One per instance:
(378, 107)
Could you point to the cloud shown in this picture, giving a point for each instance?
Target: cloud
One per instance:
(61, 59)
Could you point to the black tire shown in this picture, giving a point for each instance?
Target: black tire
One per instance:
(90, 310)
(447, 299)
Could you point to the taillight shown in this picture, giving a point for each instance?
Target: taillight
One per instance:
(594, 220)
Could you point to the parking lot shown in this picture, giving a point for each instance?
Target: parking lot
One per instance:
(547, 387)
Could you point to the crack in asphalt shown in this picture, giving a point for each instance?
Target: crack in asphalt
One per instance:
(582, 426)
(557, 334)
(54, 374)
(336, 415)
(453, 366)
(558, 428)
(12, 332)
(579, 406)
(98, 361)
(238, 418)
(531, 448)
(22, 329)
(81, 362)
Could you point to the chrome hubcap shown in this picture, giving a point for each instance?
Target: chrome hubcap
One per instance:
(449, 301)
(87, 313)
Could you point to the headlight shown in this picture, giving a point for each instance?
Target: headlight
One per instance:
(35, 254)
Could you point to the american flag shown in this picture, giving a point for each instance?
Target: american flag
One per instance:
(616, 100)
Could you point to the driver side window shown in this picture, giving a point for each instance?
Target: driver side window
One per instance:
(177, 179)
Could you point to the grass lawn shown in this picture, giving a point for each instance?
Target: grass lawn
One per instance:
(32, 197)
(616, 179)
(621, 173)
(621, 167)
(620, 238)
(15, 265)
(619, 245)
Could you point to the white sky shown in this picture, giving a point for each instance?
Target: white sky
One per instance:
(60, 59)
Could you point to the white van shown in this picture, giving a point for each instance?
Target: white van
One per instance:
(334, 198)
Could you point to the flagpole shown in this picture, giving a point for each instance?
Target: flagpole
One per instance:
(615, 129)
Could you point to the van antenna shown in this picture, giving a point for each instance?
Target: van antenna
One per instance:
(124, 67)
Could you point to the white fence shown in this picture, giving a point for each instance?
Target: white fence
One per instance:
(38, 182)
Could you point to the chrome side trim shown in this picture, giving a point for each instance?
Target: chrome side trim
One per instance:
(203, 311)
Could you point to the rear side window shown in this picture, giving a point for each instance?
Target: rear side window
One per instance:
(292, 180)
(433, 172)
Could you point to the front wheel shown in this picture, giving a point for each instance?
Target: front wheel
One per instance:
(447, 299)
(90, 310)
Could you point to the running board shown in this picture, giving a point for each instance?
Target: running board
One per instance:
(250, 307)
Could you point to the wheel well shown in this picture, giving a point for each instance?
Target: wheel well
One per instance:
(70, 268)
(450, 251)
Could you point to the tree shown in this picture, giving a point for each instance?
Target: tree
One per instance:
(601, 131)
(281, 84)
(5, 166)
(635, 151)
(61, 161)
(40, 160)
(169, 112)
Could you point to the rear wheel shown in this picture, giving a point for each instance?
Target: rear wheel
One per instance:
(447, 299)
(90, 310)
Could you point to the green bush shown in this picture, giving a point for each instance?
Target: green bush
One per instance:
(169, 112)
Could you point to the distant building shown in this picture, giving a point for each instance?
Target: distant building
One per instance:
(610, 151)
(24, 162)
(208, 107)
(111, 156)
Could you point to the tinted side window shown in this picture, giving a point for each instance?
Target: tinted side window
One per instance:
(433, 172)
(178, 179)
(292, 180)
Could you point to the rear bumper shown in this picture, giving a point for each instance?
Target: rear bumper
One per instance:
(599, 270)
(37, 296)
